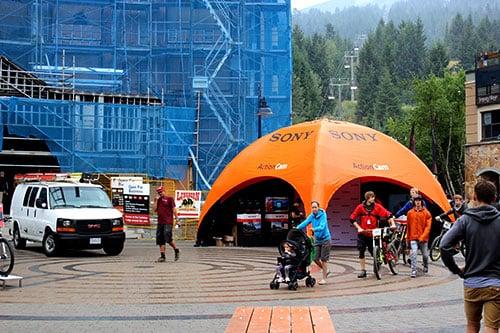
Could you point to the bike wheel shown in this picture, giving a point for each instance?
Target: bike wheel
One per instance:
(392, 259)
(376, 262)
(435, 253)
(6, 257)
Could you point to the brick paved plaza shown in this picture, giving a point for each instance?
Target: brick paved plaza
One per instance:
(88, 291)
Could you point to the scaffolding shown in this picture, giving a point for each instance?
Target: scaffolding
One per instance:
(207, 60)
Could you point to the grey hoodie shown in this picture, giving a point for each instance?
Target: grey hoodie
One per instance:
(480, 228)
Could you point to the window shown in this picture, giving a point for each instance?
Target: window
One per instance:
(275, 84)
(78, 197)
(34, 192)
(490, 124)
(27, 195)
(274, 37)
(43, 195)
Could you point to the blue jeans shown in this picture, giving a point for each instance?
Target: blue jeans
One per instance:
(415, 245)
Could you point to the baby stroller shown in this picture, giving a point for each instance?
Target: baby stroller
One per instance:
(298, 264)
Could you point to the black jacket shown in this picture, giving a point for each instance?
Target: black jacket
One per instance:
(480, 228)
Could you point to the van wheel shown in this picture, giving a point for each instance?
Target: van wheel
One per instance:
(19, 243)
(50, 244)
(113, 249)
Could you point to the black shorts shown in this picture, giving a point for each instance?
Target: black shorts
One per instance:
(364, 242)
(163, 234)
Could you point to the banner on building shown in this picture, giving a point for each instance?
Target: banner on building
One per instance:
(188, 204)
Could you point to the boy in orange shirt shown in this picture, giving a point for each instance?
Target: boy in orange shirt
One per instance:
(419, 222)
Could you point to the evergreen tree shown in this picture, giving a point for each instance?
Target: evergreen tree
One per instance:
(485, 33)
(367, 75)
(453, 38)
(386, 104)
(437, 60)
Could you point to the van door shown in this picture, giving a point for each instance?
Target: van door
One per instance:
(30, 213)
(41, 217)
(21, 212)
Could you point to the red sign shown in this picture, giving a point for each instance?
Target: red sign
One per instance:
(276, 218)
(136, 219)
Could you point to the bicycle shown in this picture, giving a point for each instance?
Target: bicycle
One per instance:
(435, 252)
(399, 241)
(383, 251)
(6, 256)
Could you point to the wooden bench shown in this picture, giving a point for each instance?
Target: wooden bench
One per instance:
(281, 319)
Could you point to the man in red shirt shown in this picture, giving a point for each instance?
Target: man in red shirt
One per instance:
(164, 206)
(369, 213)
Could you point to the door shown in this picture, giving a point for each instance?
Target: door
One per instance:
(28, 226)
(41, 214)
(21, 211)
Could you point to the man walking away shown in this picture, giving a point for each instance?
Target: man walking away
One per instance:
(164, 206)
(480, 228)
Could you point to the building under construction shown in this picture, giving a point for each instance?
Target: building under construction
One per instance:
(140, 86)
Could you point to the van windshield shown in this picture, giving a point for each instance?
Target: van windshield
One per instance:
(78, 197)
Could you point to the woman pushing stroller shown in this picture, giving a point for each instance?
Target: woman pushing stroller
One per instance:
(322, 238)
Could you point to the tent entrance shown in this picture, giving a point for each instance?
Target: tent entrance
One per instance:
(345, 200)
(257, 215)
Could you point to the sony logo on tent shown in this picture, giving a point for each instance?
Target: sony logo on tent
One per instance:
(285, 137)
(353, 136)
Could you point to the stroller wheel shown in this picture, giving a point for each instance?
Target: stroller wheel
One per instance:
(293, 285)
(274, 285)
(309, 282)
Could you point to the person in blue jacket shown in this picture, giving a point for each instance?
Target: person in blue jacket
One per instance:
(322, 237)
(409, 205)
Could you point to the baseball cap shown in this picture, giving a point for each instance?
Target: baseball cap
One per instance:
(159, 189)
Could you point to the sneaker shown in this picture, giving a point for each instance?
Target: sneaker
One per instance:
(176, 256)
(413, 274)
(426, 269)
(362, 274)
(322, 281)
(280, 280)
(161, 259)
(328, 273)
(287, 279)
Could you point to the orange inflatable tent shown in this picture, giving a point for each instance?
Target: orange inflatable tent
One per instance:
(317, 158)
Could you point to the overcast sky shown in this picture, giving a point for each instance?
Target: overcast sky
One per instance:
(299, 4)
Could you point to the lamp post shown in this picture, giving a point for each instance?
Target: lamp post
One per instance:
(263, 110)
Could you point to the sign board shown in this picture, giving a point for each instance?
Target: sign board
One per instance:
(122, 181)
(188, 204)
(136, 204)
(200, 82)
(251, 218)
(117, 186)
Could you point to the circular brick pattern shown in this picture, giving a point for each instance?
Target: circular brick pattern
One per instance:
(202, 275)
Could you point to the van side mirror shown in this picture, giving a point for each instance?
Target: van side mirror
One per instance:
(40, 203)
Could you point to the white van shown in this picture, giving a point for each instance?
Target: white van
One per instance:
(65, 215)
